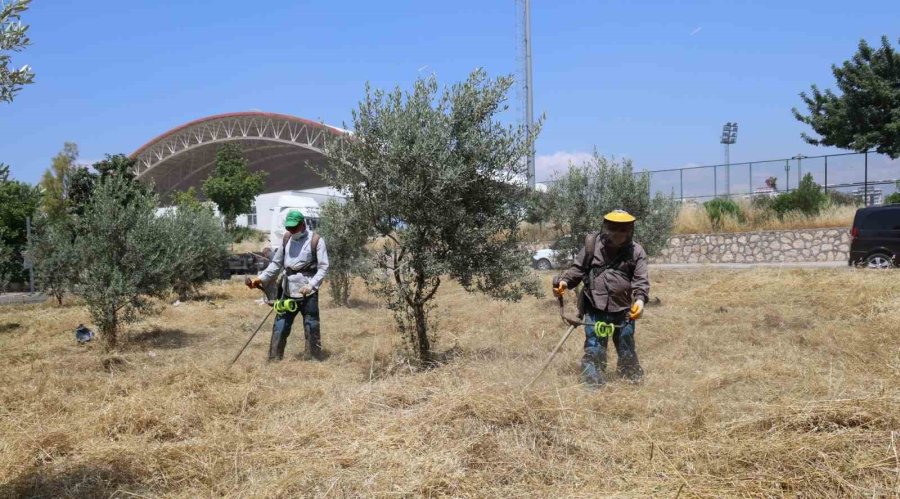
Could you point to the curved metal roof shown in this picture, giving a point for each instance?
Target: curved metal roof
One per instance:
(276, 143)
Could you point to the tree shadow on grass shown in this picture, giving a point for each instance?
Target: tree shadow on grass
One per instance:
(8, 327)
(163, 338)
(107, 480)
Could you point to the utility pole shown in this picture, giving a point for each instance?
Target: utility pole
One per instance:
(787, 175)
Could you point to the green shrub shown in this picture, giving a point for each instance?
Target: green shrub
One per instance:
(52, 250)
(124, 254)
(199, 244)
(808, 199)
(239, 233)
(719, 207)
(838, 198)
(579, 198)
(346, 236)
(893, 198)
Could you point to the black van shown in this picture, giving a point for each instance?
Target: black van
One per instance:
(875, 237)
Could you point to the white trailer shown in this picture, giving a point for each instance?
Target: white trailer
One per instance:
(307, 205)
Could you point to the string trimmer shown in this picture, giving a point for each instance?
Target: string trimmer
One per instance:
(276, 305)
(601, 329)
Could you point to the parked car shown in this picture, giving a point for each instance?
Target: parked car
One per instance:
(545, 259)
(875, 237)
(553, 257)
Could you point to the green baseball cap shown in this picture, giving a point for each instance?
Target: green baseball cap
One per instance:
(293, 219)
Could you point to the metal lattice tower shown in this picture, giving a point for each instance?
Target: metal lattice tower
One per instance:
(524, 76)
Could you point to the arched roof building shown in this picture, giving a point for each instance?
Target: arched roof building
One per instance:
(279, 144)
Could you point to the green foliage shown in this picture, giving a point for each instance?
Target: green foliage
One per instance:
(13, 38)
(231, 186)
(239, 233)
(56, 180)
(434, 177)
(838, 198)
(81, 185)
(8, 263)
(52, 251)
(346, 238)
(893, 198)
(18, 201)
(581, 197)
(199, 247)
(537, 207)
(865, 115)
(124, 253)
(188, 199)
(808, 199)
(717, 208)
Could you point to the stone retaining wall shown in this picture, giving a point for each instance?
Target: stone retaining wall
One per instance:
(811, 245)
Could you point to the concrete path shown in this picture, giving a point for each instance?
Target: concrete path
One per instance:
(699, 266)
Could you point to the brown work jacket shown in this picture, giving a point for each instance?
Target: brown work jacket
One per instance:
(615, 288)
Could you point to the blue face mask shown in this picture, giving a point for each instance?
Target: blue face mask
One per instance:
(300, 235)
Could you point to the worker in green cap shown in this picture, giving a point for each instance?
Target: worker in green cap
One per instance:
(302, 262)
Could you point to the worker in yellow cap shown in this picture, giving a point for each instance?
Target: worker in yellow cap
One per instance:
(613, 269)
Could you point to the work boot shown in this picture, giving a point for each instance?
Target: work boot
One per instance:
(313, 346)
(276, 346)
(593, 367)
(629, 369)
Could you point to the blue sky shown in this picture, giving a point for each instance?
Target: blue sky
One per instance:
(653, 81)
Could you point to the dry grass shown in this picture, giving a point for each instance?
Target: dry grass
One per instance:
(764, 382)
(692, 219)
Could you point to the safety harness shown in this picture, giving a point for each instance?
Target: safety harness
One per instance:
(282, 304)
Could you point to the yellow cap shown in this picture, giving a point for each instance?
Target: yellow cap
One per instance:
(620, 216)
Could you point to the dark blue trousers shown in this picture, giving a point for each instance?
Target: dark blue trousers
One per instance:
(308, 307)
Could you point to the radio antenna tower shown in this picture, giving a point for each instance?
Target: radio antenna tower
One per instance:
(524, 80)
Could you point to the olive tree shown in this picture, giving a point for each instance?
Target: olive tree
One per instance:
(346, 236)
(437, 179)
(13, 38)
(199, 246)
(124, 254)
(580, 197)
(52, 250)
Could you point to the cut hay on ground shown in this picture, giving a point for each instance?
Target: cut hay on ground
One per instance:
(764, 382)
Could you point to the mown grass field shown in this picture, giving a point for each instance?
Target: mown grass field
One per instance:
(766, 382)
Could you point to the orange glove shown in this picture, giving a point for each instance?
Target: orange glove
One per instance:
(255, 282)
(637, 310)
(561, 290)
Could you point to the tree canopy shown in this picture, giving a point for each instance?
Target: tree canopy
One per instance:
(13, 38)
(231, 186)
(865, 114)
(439, 182)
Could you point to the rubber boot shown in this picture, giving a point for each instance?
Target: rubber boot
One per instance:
(593, 366)
(277, 344)
(281, 329)
(627, 366)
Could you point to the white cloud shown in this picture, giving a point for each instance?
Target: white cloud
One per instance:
(547, 165)
(696, 31)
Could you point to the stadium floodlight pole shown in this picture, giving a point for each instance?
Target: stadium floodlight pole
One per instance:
(529, 102)
(799, 158)
(729, 136)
